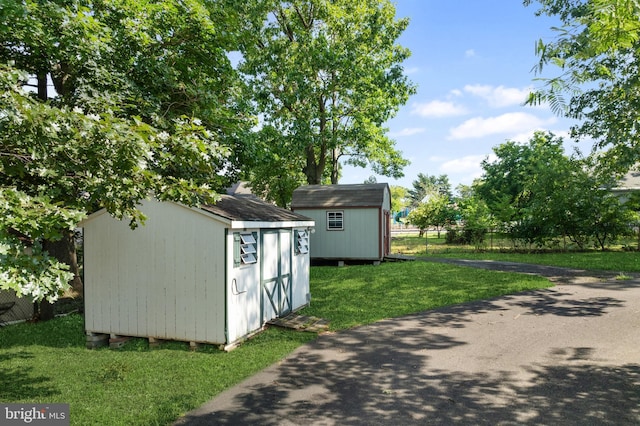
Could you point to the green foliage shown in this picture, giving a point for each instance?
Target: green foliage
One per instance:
(24, 266)
(476, 221)
(597, 51)
(398, 198)
(145, 103)
(436, 211)
(537, 194)
(325, 76)
(427, 185)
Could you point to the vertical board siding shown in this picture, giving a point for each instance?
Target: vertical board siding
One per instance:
(243, 293)
(155, 281)
(360, 238)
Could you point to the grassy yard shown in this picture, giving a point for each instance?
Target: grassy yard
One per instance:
(356, 295)
(48, 363)
(615, 260)
(135, 385)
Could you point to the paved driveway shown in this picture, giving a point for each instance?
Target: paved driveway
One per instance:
(565, 355)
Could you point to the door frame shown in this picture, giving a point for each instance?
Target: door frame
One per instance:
(280, 296)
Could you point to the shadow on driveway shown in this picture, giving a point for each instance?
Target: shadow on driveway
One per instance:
(565, 355)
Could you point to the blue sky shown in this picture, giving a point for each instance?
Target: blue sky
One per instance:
(472, 62)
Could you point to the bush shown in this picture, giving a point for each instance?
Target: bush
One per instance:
(466, 235)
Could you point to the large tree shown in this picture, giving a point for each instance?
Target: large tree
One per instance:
(539, 194)
(597, 50)
(326, 76)
(428, 185)
(131, 98)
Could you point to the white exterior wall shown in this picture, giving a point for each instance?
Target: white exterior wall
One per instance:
(243, 293)
(247, 308)
(360, 238)
(301, 264)
(163, 280)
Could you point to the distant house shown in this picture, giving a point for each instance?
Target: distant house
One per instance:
(629, 183)
(213, 274)
(353, 222)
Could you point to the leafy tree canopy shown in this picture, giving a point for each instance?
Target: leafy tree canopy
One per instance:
(538, 193)
(597, 49)
(325, 77)
(437, 211)
(427, 185)
(130, 98)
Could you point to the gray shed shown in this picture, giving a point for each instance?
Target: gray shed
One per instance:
(353, 222)
(213, 274)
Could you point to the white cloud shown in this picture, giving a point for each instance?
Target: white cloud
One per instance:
(437, 109)
(466, 168)
(470, 53)
(408, 131)
(513, 122)
(411, 70)
(500, 96)
(469, 163)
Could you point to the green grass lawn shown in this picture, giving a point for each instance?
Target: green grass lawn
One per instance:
(48, 363)
(592, 260)
(356, 295)
(135, 385)
(612, 260)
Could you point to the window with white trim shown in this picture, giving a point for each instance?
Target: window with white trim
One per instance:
(302, 242)
(245, 248)
(335, 221)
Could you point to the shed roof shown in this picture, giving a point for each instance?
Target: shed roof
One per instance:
(629, 182)
(250, 208)
(356, 195)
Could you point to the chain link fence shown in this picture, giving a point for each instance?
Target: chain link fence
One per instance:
(13, 309)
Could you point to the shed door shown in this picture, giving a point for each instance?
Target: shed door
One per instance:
(275, 274)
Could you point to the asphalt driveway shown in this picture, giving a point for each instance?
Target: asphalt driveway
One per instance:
(565, 355)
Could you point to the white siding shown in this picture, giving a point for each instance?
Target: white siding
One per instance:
(300, 267)
(164, 279)
(360, 239)
(243, 294)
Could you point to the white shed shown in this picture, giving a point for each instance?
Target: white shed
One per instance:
(213, 274)
(352, 221)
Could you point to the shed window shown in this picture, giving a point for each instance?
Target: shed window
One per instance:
(302, 242)
(245, 248)
(335, 221)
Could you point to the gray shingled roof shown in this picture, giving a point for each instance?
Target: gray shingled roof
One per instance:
(357, 195)
(251, 208)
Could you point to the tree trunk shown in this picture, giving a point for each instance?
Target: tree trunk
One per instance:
(335, 166)
(314, 168)
(64, 251)
(42, 86)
